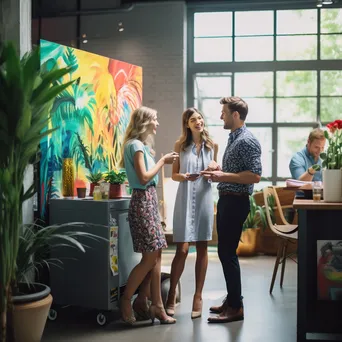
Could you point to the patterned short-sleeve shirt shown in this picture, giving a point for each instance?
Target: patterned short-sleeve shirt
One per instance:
(243, 153)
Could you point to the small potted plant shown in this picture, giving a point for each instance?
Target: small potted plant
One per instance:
(256, 219)
(94, 178)
(115, 178)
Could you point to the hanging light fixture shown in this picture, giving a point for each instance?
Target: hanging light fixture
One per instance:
(327, 2)
(319, 3)
(120, 27)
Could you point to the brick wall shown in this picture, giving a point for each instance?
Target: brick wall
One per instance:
(154, 38)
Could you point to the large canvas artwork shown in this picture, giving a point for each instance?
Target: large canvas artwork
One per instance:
(329, 269)
(92, 116)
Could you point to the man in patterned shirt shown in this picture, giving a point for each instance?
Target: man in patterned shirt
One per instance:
(241, 168)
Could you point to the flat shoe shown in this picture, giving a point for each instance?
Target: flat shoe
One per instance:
(224, 319)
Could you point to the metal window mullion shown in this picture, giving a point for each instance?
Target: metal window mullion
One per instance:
(233, 36)
(190, 94)
(318, 116)
(274, 126)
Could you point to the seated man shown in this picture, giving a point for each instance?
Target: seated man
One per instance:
(302, 163)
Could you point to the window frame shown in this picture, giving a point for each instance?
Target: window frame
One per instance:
(260, 66)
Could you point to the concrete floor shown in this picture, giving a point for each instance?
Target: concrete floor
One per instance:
(267, 318)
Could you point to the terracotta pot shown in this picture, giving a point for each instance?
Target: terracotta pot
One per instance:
(30, 312)
(115, 191)
(92, 186)
(248, 244)
(81, 192)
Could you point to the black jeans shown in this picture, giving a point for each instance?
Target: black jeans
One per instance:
(232, 212)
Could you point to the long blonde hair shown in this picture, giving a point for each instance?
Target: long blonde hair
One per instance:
(186, 138)
(140, 119)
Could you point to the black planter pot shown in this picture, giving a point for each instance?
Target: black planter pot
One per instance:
(27, 293)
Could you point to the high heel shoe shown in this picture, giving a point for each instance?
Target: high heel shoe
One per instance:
(196, 314)
(156, 312)
(170, 309)
(128, 320)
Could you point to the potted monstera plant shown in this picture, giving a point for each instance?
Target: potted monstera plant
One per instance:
(26, 96)
(256, 220)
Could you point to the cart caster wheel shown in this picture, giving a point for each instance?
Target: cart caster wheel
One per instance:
(52, 315)
(101, 319)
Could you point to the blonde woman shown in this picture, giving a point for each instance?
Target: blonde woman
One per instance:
(146, 230)
(194, 207)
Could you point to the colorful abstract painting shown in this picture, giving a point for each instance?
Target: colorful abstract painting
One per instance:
(329, 269)
(92, 116)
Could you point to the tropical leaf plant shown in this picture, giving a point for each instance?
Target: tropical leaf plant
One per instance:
(116, 176)
(36, 243)
(26, 96)
(256, 217)
(95, 177)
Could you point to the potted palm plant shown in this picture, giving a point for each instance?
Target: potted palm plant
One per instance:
(115, 178)
(256, 219)
(26, 96)
(94, 178)
(32, 300)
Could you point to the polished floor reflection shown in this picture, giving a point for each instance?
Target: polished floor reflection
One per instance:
(267, 318)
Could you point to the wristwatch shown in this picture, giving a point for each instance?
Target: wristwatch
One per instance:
(311, 174)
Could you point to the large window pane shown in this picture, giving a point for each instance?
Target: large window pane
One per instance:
(254, 84)
(259, 186)
(331, 46)
(211, 109)
(331, 82)
(213, 86)
(331, 20)
(254, 23)
(331, 108)
(290, 141)
(296, 83)
(220, 136)
(264, 135)
(297, 109)
(254, 49)
(213, 50)
(213, 24)
(259, 110)
(296, 21)
(296, 48)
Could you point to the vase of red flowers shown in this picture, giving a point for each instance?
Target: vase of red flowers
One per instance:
(332, 162)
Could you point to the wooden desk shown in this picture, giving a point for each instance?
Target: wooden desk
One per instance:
(317, 221)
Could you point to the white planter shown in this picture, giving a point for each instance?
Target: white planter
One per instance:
(332, 185)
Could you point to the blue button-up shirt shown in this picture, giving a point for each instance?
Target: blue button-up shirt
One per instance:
(301, 162)
(243, 153)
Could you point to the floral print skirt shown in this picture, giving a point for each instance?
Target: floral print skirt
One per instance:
(144, 221)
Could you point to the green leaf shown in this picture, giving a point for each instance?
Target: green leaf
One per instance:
(51, 93)
(48, 79)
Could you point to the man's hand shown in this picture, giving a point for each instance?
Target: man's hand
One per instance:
(213, 166)
(215, 176)
(316, 167)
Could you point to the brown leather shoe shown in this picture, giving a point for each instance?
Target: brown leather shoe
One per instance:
(229, 315)
(220, 308)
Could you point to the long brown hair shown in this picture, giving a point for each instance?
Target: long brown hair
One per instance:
(186, 138)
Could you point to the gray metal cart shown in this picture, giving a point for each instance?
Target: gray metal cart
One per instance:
(97, 278)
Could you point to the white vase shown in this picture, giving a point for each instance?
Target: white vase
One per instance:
(332, 185)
